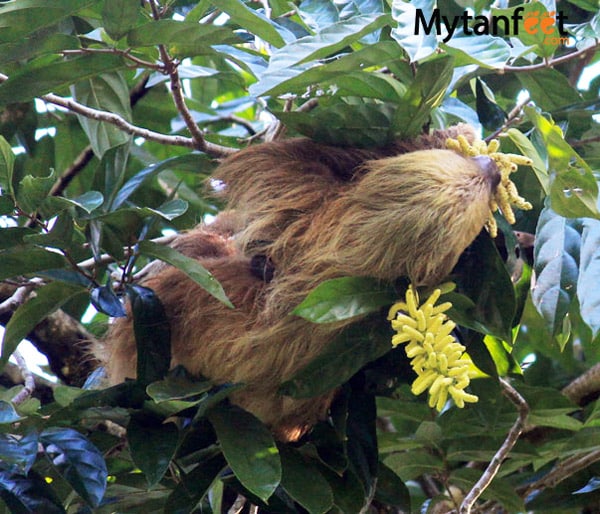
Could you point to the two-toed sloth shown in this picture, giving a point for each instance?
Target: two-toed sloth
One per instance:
(299, 213)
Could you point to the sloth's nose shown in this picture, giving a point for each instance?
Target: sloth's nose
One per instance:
(488, 169)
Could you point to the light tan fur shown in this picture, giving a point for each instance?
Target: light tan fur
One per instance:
(318, 213)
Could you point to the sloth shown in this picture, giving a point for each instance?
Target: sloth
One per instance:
(298, 213)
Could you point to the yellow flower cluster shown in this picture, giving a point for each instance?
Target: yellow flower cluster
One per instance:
(506, 194)
(437, 358)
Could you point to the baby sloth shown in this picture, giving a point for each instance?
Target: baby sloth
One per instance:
(301, 213)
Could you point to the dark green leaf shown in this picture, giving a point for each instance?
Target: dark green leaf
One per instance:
(104, 92)
(549, 89)
(249, 449)
(32, 191)
(348, 492)
(29, 260)
(556, 258)
(355, 347)
(45, 75)
(483, 50)
(152, 334)
(28, 495)
(302, 480)
(88, 202)
(26, 16)
(410, 464)
(60, 235)
(488, 111)
(42, 42)
(18, 454)
(48, 299)
(105, 300)
(528, 150)
(119, 16)
(184, 38)
(343, 298)
(194, 485)
(589, 271)
(253, 21)
(190, 267)
(177, 388)
(152, 443)
(12, 237)
(78, 461)
(391, 490)
(482, 276)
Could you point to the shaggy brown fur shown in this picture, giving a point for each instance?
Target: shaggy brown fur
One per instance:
(317, 213)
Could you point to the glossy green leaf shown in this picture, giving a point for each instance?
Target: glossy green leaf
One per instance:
(190, 267)
(152, 444)
(79, 462)
(28, 494)
(413, 463)
(59, 236)
(351, 350)
(556, 257)
(588, 292)
(254, 21)
(8, 414)
(343, 298)
(152, 334)
(528, 150)
(119, 16)
(302, 480)
(417, 44)
(88, 202)
(488, 111)
(104, 92)
(177, 388)
(49, 298)
(7, 162)
(48, 74)
(249, 449)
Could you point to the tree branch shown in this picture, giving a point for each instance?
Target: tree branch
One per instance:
(553, 62)
(513, 435)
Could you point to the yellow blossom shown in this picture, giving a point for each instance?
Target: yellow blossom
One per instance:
(438, 359)
(506, 194)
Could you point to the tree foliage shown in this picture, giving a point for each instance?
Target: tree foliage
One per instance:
(112, 115)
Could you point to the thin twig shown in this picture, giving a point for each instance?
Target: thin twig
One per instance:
(29, 387)
(124, 53)
(549, 63)
(19, 296)
(513, 435)
(238, 505)
(80, 162)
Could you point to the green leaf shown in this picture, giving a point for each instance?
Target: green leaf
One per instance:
(482, 276)
(253, 21)
(8, 414)
(482, 50)
(411, 464)
(549, 89)
(32, 191)
(152, 444)
(60, 236)
(391, 490)
(556, 258)
(355, 347)
(18, 454)
(104, 92)
(249, 449)
(48, 74)
(190, 267)
(588, 292)
(42, 42)
(7, 163)
(197, 160)
(184, 38)
(417, 46)
(17, 19)
(574, 191)
(28, 495)
(302, 480)
(79, 462)
(119, 16)
(88, 202)
(361, 124)
(528, 150)
(343, 298)
(152, 334)
(177, 388)
(48, 299)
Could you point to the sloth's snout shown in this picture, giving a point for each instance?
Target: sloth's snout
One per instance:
(488, 169)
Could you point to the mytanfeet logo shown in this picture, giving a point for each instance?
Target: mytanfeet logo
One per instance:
(531, 22)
